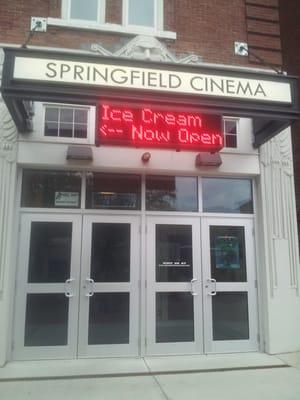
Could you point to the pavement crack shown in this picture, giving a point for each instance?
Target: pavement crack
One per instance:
(156, 380)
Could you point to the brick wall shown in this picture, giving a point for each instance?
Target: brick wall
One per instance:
(290, 36)
(208, 28)
(263, 29)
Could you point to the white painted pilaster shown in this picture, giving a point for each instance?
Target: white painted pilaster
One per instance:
(279, 253)
(8, 156)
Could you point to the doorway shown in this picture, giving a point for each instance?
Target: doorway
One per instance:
(201, 286)
(79, 286)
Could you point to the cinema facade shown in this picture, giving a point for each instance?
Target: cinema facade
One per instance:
(147, 208)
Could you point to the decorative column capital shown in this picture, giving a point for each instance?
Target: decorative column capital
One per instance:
(277, 153)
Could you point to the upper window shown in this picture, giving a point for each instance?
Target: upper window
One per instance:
(51, 189)
(78, 10)
(171, 193)
(129, 17)
(230, 132)
(66, 122)
(141, 12)
(226, 195)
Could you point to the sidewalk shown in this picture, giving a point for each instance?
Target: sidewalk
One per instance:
(273, 380)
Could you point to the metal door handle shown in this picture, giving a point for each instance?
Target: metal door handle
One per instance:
(193, 293)
(91, 282)
(213, 292)
(69, 293)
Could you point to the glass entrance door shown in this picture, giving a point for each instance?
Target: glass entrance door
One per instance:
(229, 285)
(189, 271)
(78, 287)
(47, 287)
(174, 320)
(109, 303)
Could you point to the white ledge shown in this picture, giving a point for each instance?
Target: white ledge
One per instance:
(113, 28)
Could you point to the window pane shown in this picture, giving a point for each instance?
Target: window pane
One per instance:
(230, 127)
(227, 195)
(80, 116)
(109, 318)
(230, 316)
(66, 130)
(110, 260)
(174, 255)
(80, 131)
(66, 122)
(50, 252)
(51, 114)
(113, 191)
(141, 12)
(51, 189)
(83, 10)
(66, 115)
(230, 141)
(174, 317)
(46, 321)
(171, 193)
(51, 128)
(228, 253)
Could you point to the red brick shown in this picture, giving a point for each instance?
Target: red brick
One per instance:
(207, 28)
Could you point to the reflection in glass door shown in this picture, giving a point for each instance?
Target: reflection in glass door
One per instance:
(109, 304)
(229, 285)
(174, 323)
(47, 287)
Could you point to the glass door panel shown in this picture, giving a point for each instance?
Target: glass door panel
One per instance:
(47, 287)
(229, 285)
(174, 317)
(109, 281)
(110, 254)
(174, 258)
(109, 319)
(174, 324)
(46, 322)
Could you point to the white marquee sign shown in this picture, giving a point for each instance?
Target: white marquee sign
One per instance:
(120, 76)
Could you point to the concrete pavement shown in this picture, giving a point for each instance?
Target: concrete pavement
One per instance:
(277, 382)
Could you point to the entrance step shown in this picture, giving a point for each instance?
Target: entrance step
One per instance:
(113, 367)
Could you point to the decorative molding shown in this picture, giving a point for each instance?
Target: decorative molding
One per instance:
(97, 48)
(279, 207)
(8, 136)
(8, 157)
(193, 59)
(146, 48)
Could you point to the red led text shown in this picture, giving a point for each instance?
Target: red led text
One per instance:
(150, 127)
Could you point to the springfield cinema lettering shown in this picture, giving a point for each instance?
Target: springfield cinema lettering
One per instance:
(264, 89)
(153, 79)
(152, 127)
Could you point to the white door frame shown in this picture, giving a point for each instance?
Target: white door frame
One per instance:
(20, 351)
(132, 287)
(221, 346)
(153, 348)
(77, 343)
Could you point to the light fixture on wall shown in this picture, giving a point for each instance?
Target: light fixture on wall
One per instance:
(146, 157)
(208, 160)
(37, 24)
(83, 153)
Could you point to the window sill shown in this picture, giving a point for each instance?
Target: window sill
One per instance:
(113, 28)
